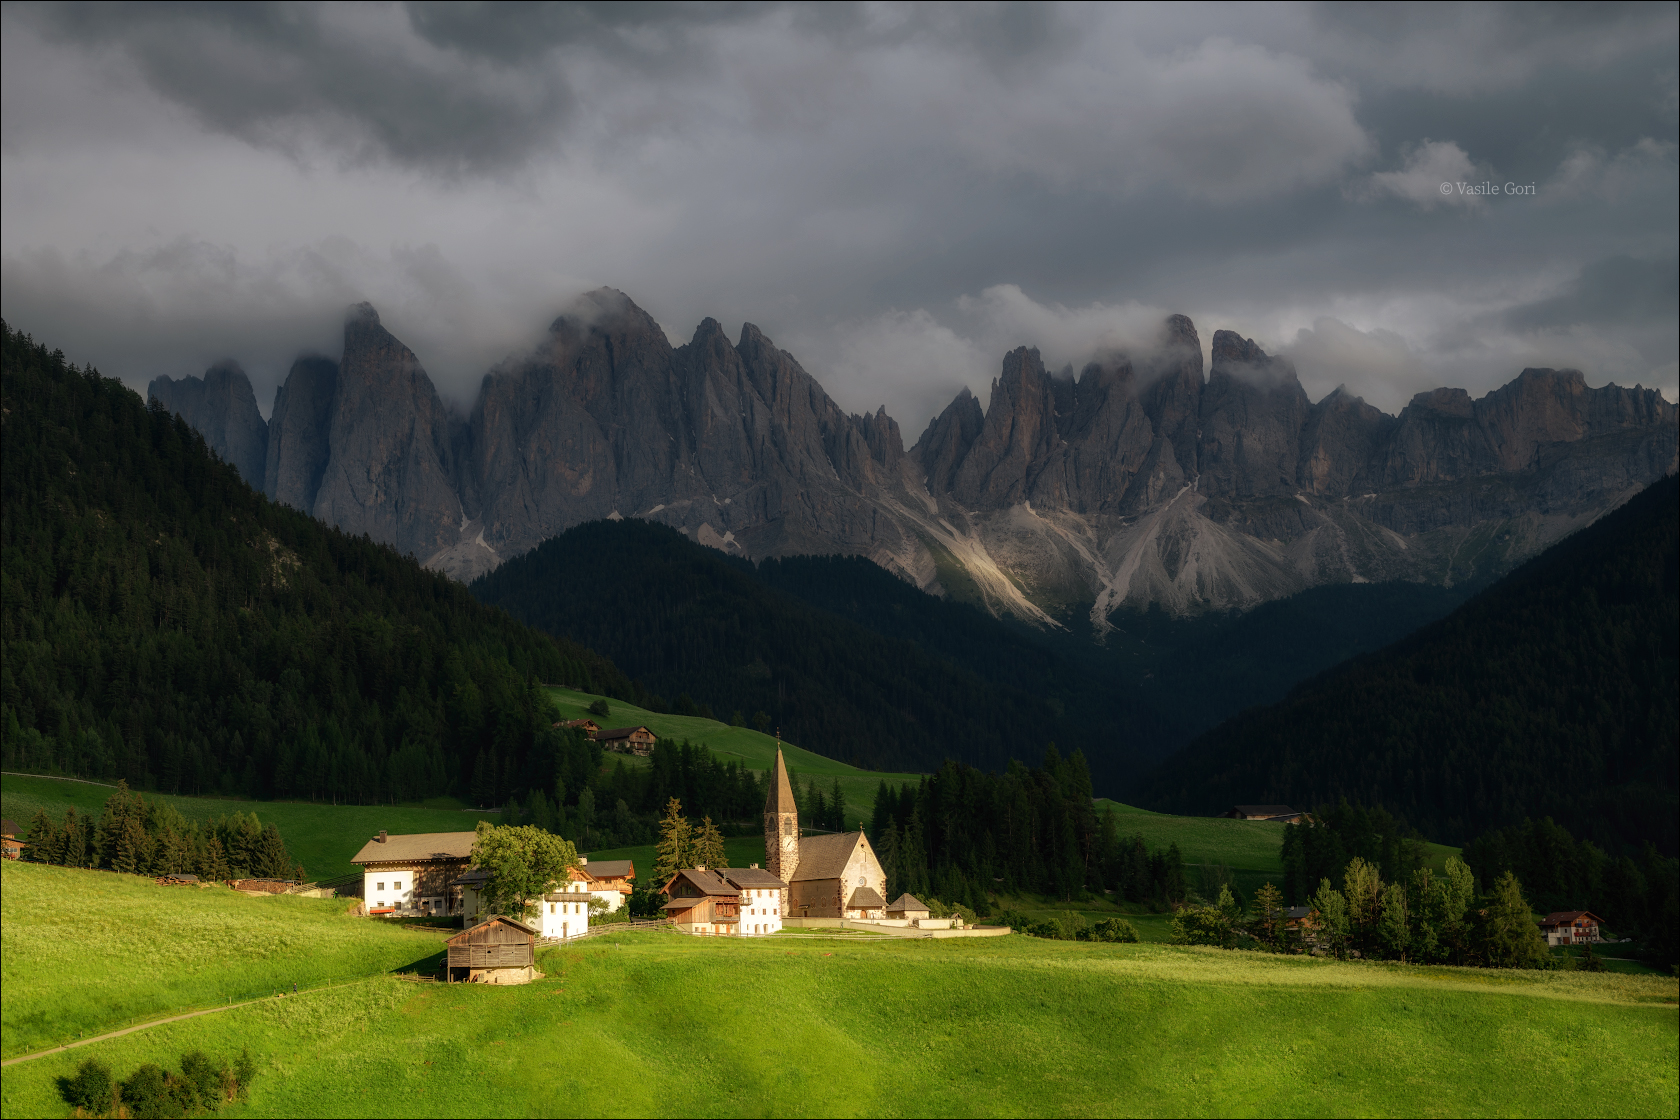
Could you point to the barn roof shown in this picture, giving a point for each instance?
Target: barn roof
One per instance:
(1263, 810)
(1564, 917)
(479, 931)
(905, 902)
(619, 733)
(8, 826)
(415, 847)
(825, 857)
(612, 869)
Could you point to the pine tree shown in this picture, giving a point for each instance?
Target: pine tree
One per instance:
(1268, 914)
(708, 846)
(674, 852)
(1510, 937)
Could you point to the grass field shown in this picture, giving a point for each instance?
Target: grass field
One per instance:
(321, 837)
(752, 749)
(86, 951)
(1251, 849)
(667, 1025)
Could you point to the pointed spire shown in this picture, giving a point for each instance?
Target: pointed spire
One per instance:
(781, 790)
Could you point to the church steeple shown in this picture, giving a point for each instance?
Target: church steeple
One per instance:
(781, 826)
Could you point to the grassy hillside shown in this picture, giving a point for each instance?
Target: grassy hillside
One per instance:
(1556, 692)
(322, 837)
(752, 749)
(796, 1025)
(86, 951)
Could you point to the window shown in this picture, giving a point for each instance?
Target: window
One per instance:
(397, 885)
(381, 886)
(551, 908)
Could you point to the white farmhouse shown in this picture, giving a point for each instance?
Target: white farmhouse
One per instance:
(414, 873)
(563, 912)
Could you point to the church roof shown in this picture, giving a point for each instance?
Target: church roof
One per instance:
(781, 790)
(866, 898)
(906, 901)
(751, 878)
(825, 857)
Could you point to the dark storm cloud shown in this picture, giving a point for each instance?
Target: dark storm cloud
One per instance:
(899, 192)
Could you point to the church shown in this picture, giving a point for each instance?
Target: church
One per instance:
(831, 876)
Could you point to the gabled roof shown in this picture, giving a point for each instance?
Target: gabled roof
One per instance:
(471, 877)
(417, 846)
(905, 902)
(8, 826)
(612, 869)
(781, 791)
(586, 724)
(1564, 917)
(866, 898)
(708, 881)
(825, 857)
(466, 935)
(619, 733)
(751, 878)
(685, 903)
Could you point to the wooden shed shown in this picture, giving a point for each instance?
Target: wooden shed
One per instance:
(498, 950)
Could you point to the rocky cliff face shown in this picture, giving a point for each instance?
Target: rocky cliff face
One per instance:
(222, 407)
(1138, 481)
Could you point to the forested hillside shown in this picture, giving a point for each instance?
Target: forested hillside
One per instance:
(686, 619)
(1553, 693)
(164, 623)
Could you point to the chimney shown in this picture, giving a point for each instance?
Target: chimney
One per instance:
(701, 867)
(583, 861)
(755, 867)
(383, 835)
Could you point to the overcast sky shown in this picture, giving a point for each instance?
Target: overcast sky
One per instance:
(897, 195)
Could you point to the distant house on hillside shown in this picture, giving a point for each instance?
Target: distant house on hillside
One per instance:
(611, 881)
(177, 880)
(1263, 813)
(9, 832)
(564, 911)
(415, 873)
(588, 726)
(1570, 927)
(626, 740)
(727, 902)
(496, 951)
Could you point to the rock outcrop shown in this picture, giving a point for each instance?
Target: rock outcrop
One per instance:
(222, 407)
(1139, 481)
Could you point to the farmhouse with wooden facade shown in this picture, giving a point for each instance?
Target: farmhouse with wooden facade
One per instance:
(610, 881)
(1570, 927)
(626, 740)
(8, 834)
(1282, 813)
(414, 874)
(725, 901)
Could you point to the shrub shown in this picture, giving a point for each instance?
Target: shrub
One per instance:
(146, 1094)
(92, 1089)
(1114, 929)
(1202, 925)
(600, 708)
(212, 1080)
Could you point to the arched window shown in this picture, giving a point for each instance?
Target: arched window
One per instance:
(787, 827)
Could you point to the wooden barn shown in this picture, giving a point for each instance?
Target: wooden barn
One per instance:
(627, 740)
(498, 950)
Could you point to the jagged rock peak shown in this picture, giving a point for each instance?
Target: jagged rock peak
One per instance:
(361, 314)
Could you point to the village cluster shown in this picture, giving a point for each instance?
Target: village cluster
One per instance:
(833, 876)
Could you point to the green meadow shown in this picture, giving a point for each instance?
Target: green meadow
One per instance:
(87, 951)
(1252, 850)
(322, 837)
(660, 1024)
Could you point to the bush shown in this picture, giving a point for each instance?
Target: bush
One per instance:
(1202, 925)
(92, 1089)
(145, 1094)
(1114, 929)
(600, 708)
(212, 1081)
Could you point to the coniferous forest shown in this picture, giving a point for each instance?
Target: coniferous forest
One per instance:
(1554, 693)
(167, 625)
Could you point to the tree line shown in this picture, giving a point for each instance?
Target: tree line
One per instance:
(163, 623)
(141, 837)
(962, 834)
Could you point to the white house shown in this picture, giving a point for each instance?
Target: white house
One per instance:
(761, 899)
(414, 873)
(563, 912)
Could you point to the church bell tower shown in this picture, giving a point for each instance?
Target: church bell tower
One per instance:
(781, 828)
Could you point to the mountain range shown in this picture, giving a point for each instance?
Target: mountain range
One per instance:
(1141, 482)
